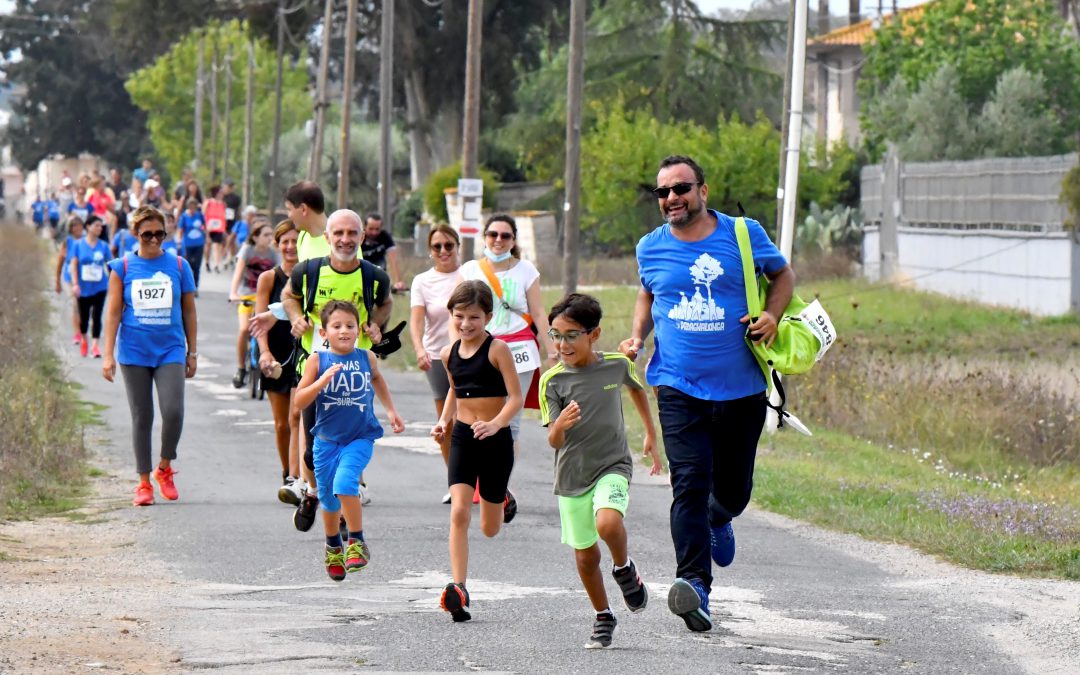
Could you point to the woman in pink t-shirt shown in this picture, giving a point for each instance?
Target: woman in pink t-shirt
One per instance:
(429, 320)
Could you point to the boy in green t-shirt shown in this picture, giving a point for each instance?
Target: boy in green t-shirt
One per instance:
(581, 404)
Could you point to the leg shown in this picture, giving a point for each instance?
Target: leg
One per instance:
(294, 438)
(138, 381)
(588, 569)
(85, 304)
(95, 314)
(498, 454)
(169, 381)
(308, 419)
(461, 477)
(353, 459)
(279, 406)
(610, 527)
(242, 338)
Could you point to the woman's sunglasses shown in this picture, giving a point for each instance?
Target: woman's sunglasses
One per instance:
(505, 236)
(147, 235)
(678, 188)
(440, 247)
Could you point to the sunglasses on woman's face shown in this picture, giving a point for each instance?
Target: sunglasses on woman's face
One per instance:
(440, 247)
(147, 235)
(505, 236)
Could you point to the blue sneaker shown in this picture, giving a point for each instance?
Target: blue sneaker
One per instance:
(723, 544)
(688, 599)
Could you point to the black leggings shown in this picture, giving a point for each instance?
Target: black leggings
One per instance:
(489, 460)
(194, 257)
(90, 308)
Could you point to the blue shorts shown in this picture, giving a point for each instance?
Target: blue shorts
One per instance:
(338, 467)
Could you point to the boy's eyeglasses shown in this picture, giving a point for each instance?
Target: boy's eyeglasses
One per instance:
(678, 188)
(440, 247)
(147, 235)
(505, 236)
(568, 336)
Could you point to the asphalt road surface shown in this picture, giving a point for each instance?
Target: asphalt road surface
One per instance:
(257, 599)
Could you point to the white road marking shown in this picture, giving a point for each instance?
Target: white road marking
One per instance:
(229, 412)
(423, 445)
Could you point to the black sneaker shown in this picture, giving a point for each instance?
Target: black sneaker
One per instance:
(603, 629)
(455, 599)
(304, 516)
(239, 378)
(634, 593)
(509, 507)
(688, 600)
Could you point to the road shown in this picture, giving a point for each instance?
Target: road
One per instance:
(246, 592)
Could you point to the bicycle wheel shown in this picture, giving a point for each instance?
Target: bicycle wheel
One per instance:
(254, 381)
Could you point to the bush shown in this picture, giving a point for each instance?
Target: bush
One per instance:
(447, 177)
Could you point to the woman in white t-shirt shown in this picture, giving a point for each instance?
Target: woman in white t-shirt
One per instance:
(429, 319)
(517, 304)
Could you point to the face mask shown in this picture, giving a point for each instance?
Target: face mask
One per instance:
(496, 258)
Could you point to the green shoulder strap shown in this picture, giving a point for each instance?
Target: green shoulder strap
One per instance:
(753, 300)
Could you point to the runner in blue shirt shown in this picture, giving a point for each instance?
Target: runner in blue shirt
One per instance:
(89, 282)
(125, 242)
(193, 236)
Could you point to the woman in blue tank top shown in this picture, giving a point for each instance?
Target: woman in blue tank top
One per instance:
(63, 268)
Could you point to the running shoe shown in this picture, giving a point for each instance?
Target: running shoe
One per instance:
(163, 476)
(335, 563)
(95, 351)
(84, 347)
(77, 339)
(292, 491)
(455, 599)
(357, 555)
(304, 517)
(239, 378)
(144, 494)
(446, 498)
(603, 629)
(634, 593)
(364, 494)
(509, 507)
(688, 599)
(722, 544)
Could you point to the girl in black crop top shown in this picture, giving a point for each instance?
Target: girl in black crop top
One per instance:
(484, 396)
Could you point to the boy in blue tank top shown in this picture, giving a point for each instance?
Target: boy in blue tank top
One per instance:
(342, 383)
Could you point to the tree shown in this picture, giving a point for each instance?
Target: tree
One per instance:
(1017, 120)
(938, 119)
(165, 90)
(982, 39)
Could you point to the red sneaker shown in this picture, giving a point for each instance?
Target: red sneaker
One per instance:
(476, 493)
(335, 563)
(357, 555)
(96, 351)
(144, 494)
(163, 476)
(83, 347)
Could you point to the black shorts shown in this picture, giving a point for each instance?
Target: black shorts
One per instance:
(283, 384)
(217, 237)
(489, 460)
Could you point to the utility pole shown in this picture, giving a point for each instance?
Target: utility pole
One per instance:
(228, 111)
(271, 187)
(471, 131)
(199, 75)
(321, 104)
(249, 104)
(575, 82)
(346, 105)
(784, 117)
(386, 84)
(213, 108)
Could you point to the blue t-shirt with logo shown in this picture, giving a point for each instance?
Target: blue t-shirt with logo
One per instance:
(344, 409)
(152, 325)
(54, 211)
(193, 229)
(69, 253)
(698, 298)
(38, 208)
(83, 212)
(125, 242)
(240, 231)
(93, 277)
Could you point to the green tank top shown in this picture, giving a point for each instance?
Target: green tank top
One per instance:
(309, 246)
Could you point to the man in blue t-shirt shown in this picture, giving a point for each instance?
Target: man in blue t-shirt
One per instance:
(710, 390)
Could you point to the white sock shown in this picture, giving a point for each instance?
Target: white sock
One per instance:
(616, 568)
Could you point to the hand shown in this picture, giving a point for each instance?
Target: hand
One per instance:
(399, 286)
(630, 347)
(58, 289)
(300, 325)
(190, 366)
(396, 423)
(438, 432)
(108, 367)
(374, 332)
(423, 361)
(266, 363)
(553, 356)
(482, 429)
(329, 374)
(764, 327)
(650, 451)
(233, 297)
(260, 324)
(569, 416)
(76, 291)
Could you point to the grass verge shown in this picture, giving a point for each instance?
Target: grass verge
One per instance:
(42, 453)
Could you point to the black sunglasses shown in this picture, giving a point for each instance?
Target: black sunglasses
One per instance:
(505, 236)
(449, 246)
(147, 235)
(678, 188)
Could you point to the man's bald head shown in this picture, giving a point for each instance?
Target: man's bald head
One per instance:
(344, 231)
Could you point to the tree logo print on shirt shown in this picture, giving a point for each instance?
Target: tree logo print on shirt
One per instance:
(699, 313)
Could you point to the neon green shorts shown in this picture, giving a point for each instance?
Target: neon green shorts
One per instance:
(578, 514)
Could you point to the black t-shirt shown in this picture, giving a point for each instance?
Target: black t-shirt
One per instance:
(375, 251)
(232, 207)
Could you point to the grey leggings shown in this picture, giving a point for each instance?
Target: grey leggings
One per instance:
(140, 382)
(524, 380)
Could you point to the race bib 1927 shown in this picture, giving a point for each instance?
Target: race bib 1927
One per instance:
(151, 294)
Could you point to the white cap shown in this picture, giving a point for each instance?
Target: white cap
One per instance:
(66, 182)
(250, 208)
(150, 184)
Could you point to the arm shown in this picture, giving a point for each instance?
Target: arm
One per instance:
(75, 290)
(641, 402)
(309, 387)
(438, 432)
(501, 358)
(291, 303)
(383, 394)
(262, 301)
(60, 264)
(781, 288)
(535, 303)
(416, 335)
(114, 306)
(191, 330)
(641, 327)
(234, 288)
(568, 417)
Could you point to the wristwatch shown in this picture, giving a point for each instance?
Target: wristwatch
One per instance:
(195, 354)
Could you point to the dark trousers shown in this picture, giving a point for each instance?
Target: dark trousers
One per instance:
(194, 257)
(711, 447)
(90, 308)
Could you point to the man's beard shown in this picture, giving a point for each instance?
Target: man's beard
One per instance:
(687, 217)
(343, 257)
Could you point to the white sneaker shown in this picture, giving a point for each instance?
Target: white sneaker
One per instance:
(446, 498)
(365, 495)
(291, 492)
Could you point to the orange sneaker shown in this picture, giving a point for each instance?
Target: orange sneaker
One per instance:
(84, 347)
(163, 476)
(144, 494)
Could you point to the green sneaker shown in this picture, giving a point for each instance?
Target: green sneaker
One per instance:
(357, 555)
